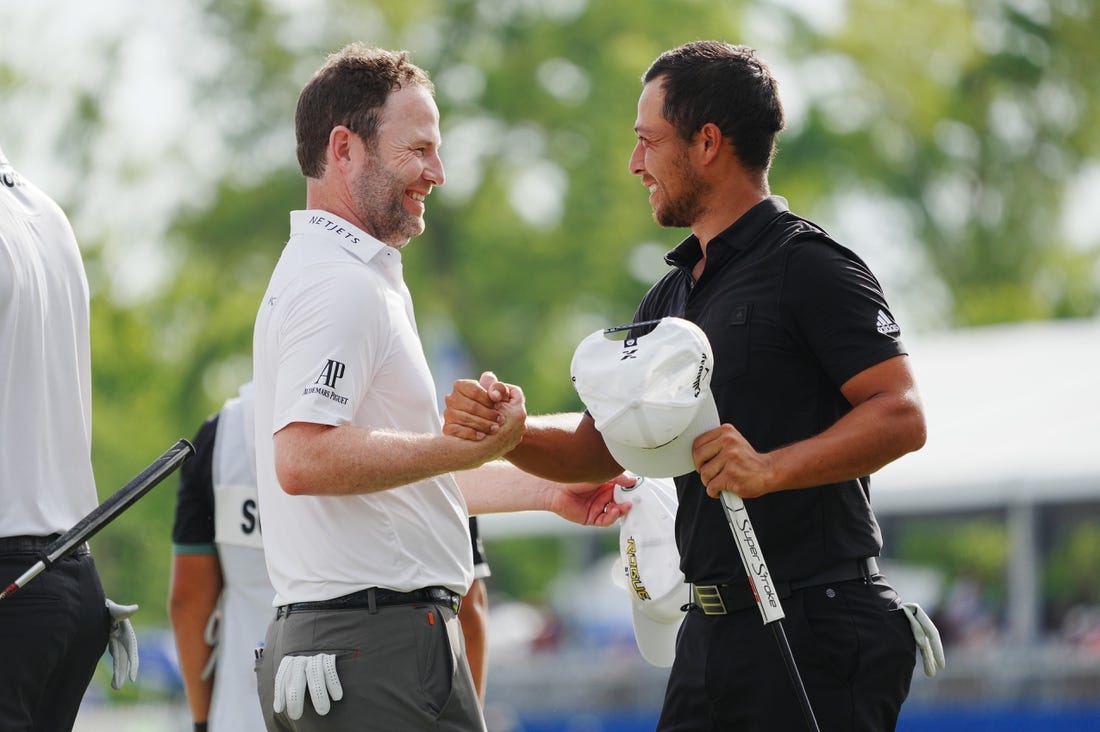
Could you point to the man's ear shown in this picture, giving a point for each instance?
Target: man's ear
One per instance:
(711, 140)
(340, 141)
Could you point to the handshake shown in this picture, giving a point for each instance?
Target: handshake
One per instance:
(484, 409)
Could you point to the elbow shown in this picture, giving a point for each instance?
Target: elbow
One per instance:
(915, 432)
(180, 606)
(292, 479)
(295, 459)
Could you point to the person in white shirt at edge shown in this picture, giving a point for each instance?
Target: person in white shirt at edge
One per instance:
(220, 599)
(364, 502)
(54, 631)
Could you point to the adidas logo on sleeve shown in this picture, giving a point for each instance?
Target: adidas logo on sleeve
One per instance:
(886, 325)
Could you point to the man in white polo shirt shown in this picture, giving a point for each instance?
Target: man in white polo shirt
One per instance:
(54, 631)
(220, 600)
(365, 527)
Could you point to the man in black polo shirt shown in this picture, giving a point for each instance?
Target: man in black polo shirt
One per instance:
(814, 392)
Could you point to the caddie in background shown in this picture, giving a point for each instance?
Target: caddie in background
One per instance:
(814, 393)
(53, 632)
(220, 600)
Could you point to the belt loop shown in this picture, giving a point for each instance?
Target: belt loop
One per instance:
(372, 601)
(865, 570)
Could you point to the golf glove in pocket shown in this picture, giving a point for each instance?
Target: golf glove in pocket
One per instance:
(296, 674)
(927, 637)
(122, 644)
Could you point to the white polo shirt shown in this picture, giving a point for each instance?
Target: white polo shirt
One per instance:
(336, 343)
(46, 483)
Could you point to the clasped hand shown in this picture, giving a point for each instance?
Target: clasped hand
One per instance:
(473, 412)
(296, 674)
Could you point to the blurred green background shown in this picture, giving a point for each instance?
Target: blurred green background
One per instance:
(952, 144)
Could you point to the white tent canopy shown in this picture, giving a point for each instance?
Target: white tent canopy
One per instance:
(1013, 415)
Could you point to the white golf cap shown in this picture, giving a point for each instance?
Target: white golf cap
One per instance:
(649, 396)
(649, 567)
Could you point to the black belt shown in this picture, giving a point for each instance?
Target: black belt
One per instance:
(34, 545)
(726, 599)
(373, 598)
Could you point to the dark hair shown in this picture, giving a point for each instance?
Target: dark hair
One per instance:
(711, 81)
(349, 89)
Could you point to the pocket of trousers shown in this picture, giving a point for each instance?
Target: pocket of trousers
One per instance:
(435, 657)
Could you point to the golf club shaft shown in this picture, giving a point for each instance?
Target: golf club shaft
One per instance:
(796, 678)
(767, 597)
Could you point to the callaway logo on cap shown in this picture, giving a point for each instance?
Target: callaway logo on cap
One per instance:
(649, 396)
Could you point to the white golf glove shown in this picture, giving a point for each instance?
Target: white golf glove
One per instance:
(122, 644)
(927, 637)
(296, 673)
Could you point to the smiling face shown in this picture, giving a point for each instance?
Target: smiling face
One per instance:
(401, 167)
(663, 161)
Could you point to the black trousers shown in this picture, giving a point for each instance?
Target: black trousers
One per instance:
(53, 633)
(851, 642)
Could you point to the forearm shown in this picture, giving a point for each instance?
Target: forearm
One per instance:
(196, 584)
(193, 656)
(345, 460)
(871, 435)
(565, 448)
(499, 487)
(473, 617)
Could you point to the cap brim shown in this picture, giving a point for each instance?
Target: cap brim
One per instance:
(656, 640)
(673, 458)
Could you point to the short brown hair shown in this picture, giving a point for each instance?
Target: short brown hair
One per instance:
(349, 89)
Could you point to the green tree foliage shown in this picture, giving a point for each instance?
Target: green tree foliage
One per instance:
(975, 116)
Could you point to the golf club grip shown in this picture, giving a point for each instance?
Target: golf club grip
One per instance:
(119, 501)
(767, 598)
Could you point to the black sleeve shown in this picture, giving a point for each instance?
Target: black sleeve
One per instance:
(478, 547)
(194, 525)
(837, 306)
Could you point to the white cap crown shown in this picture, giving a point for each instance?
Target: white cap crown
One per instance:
(649, 396)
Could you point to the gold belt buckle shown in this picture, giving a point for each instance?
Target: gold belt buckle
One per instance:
(709, 599)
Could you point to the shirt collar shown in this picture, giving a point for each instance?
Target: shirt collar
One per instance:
(332, 228)
(738, 236)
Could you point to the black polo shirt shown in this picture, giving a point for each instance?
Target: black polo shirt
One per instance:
(791, 316)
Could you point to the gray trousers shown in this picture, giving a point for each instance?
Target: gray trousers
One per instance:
(402, 667)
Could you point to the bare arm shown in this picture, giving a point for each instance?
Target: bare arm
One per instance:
(316, 459)
(564, 447)
(196, 584)
(885, 422)
(499, 487)
(473, 616)
(561, 447)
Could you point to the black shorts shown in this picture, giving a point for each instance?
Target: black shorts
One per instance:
(53, 632)
(851, 642)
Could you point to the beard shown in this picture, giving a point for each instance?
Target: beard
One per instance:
(684, 206)
(378, 202)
